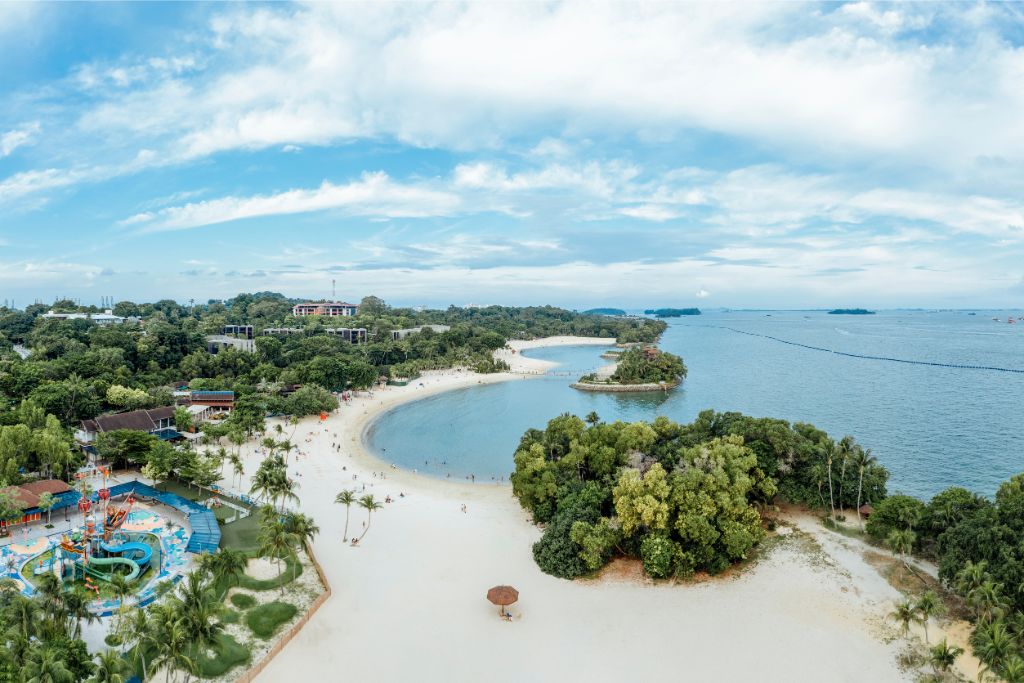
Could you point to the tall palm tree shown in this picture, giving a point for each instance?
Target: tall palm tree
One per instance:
(370, 505)
(137, 636)
(592, 418)
(830, 449)
(111, 667)
(346, 498)
(238, 468)
(901, 542)
(221, 457)
(276, 542)
(847, 451)
(864, 461)
(927, 606)
(122, 589)
(76, 607)
(45, 665)
(942, 656)
(904, 614)
(304, 529)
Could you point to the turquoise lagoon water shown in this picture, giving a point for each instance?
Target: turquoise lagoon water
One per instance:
(931, 426)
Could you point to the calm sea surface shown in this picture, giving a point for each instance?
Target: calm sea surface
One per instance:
(931, 426)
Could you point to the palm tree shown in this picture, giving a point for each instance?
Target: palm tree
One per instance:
(122, 589)
(76, 607)
(221, 457)
(287, 447)
(942, 657)
(864, 461)
(592, 418)
(830, 449)
(276, 542)
(111, 667)
(971, 576)
(993, 645)
(927, 606)
(228, 565)
(137, 634)
(346, 498)
(238, 467)
(1013, 670)
(901, 542)
(847, 451)
(304, 529)
(45, 665)
(369, 504)
(987, 601)
(904, 614)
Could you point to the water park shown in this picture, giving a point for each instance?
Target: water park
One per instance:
(126, 541)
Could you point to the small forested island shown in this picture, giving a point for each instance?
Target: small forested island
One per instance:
(638, 369)
(604, 311)
(680, 498)
(671, 312)
(851, 311)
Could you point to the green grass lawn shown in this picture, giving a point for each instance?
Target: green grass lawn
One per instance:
(241, 535)
(243, 600)
(265, 619)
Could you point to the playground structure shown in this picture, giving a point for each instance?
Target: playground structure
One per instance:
(85, 555)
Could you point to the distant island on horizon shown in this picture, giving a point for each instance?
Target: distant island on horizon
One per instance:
(672, 312)
(604, 311)
(851, 311)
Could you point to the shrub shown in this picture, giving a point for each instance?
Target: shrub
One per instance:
(659, 556)
(243, 600)
(265, 619)
(895, 512)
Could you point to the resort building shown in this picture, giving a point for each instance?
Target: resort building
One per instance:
(218, 400)
(402, 334)
(28, 495)
(156, 421)
(353, 335)
(232, 337)
(329, 308)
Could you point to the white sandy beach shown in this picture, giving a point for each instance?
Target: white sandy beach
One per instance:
(409, 602)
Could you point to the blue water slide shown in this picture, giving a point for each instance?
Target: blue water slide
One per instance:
(140, 552)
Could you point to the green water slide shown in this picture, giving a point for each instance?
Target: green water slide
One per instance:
(111, 562)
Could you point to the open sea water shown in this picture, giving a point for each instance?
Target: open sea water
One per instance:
(932, 426)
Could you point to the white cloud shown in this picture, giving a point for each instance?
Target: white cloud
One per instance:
(19, 137)
(373, 194)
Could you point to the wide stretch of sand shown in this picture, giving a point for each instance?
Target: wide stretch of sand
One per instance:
(409, 602)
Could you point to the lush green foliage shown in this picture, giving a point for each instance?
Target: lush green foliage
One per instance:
(265, 619)
(647, 365)
(676, 497)
(243, 600)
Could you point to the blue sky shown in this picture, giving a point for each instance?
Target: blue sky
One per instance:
(764, 155)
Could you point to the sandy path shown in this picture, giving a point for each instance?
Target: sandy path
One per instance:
(409, 602)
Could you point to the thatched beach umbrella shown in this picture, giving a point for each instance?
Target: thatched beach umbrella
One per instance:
(502, 596)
